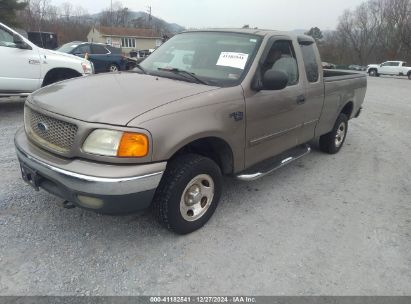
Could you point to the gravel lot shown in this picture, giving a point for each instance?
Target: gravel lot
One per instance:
(335, 225)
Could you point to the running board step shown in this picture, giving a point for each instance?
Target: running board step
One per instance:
(268, 166)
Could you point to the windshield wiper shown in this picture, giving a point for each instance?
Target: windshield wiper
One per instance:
(183, 72)
(138, 66)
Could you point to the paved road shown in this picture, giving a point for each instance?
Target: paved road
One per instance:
(335, 225)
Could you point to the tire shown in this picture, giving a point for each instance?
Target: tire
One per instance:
(409, 76)
(113, 68)
(188, 193)
(332, 142)
(373, 73)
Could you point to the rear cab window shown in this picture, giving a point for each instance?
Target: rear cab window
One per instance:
(311, 62)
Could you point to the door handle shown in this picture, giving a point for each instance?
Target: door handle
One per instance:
(301, 99)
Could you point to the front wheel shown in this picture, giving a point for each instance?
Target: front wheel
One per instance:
(332, 142)
(373, 73)
(188, 193)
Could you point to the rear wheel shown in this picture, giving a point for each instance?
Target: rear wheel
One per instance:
(188, 193)
(113, 68)
(332, 142)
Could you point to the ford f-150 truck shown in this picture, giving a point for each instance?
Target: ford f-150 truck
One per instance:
(25, 67)
(393, 68)
(239, 103)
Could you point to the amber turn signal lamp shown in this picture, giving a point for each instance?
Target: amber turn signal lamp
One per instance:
(133, 145)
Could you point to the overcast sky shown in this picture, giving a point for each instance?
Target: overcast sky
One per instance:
(272, 14)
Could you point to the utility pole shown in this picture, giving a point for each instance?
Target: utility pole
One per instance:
(149, 15)
(111, 22)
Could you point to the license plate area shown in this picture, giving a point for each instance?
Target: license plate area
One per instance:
(30, 176)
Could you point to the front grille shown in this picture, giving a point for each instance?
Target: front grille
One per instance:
(49, 132)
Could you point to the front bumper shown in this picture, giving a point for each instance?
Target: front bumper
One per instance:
(105, 188)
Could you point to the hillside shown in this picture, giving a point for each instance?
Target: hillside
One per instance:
(141, 19)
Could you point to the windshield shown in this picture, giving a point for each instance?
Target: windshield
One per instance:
(67, 48)
(216, 58)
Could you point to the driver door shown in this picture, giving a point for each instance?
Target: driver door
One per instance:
(20, 68)
(275, 118)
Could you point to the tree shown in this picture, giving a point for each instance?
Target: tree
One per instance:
(119, 16)
(376, 31)
(316, 33)
(8, 10)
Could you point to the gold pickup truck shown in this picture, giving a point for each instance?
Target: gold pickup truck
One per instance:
(239, 103)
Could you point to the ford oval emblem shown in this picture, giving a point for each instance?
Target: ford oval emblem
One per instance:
(42, 127)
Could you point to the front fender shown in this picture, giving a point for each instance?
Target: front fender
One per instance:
(210, 114)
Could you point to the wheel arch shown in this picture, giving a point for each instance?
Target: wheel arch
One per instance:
(212, 147)
(56, 72)
(348, 109)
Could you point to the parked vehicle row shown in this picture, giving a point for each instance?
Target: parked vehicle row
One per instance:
(26, 67)
(327, 65)
(105, 58)
(393, 68)
(239, 103)
(355, 67)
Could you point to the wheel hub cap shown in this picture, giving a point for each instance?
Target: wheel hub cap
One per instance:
(193, 195)
(197, 197)
(340, 135)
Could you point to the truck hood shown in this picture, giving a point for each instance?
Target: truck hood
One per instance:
(114, 99)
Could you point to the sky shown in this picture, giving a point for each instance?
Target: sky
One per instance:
(270, 14)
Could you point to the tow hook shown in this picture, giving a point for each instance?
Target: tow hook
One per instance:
(68, 205)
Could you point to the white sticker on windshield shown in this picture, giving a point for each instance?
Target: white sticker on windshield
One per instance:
(234, 60)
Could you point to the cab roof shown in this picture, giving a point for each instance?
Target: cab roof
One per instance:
(258, 32)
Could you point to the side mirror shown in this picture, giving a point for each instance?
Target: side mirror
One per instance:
(274, 80)
(19, 42)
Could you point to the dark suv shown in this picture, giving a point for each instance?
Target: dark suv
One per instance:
(104, 57)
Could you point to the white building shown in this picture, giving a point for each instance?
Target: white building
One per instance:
(126, 38)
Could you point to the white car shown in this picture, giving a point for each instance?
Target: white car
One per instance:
(24, 67)
(395, 68)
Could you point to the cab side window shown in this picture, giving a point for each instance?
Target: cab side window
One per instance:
(6, 39)
(281, 57)
(310, 62)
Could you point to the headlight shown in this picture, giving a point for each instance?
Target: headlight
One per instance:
(116, 143)
(87, 67)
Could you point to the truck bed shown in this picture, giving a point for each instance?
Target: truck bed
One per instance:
(336, 75)
(340, 87)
